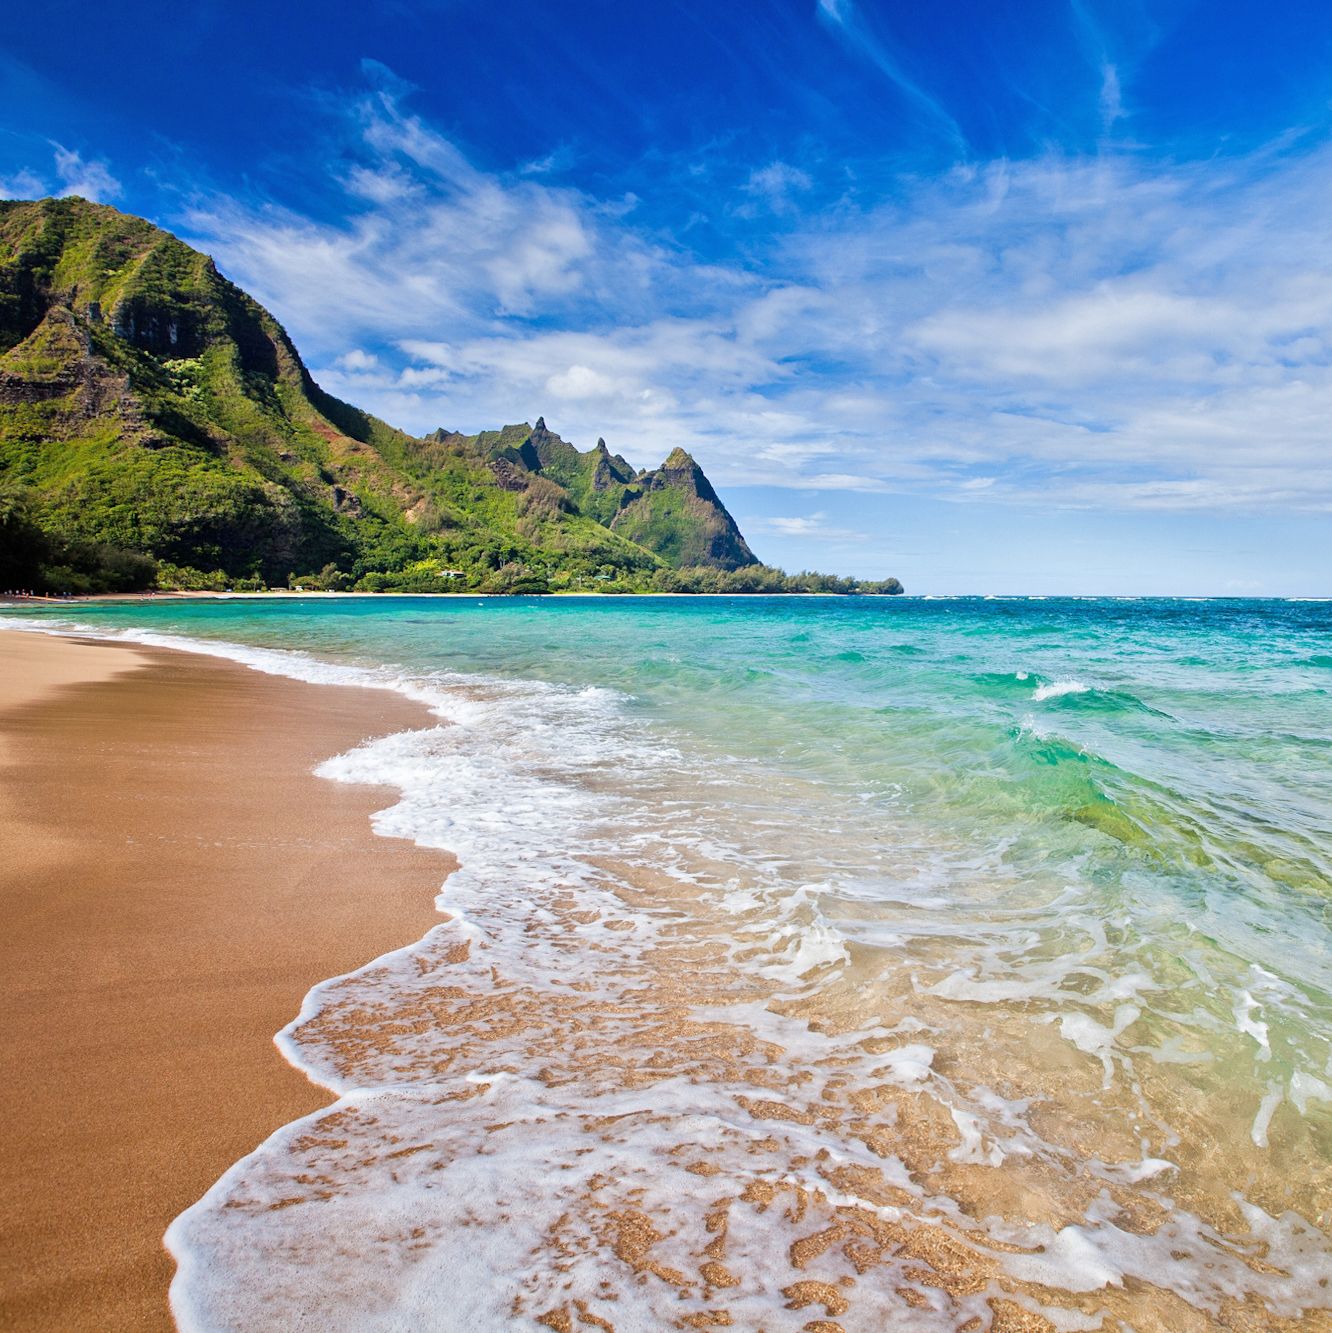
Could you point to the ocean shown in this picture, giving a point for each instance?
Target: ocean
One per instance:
(813, 963)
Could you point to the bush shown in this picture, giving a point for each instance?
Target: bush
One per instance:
(544, 499)
(185, 578)
(329, 579)
(24, 547)
(89, 567)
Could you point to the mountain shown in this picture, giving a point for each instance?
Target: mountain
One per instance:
(671, 510)
(157, 422)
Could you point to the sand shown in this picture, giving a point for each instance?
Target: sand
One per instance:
(173, 879)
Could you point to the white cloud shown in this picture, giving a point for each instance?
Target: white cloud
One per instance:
(582, 382)
(358, 361)
(813, 527)
(779, 184)
(23, 184)
(846, 20)
(72, 176)
(1112, 97)
(91, 180)
(428, 242)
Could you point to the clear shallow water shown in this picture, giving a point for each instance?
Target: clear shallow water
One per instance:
(899, 962)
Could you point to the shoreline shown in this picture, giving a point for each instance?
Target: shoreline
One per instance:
(287, 594)
(175, 881)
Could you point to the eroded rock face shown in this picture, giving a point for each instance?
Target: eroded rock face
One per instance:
(56, 365)
(346, 503)
(162, 332)
(509, 475)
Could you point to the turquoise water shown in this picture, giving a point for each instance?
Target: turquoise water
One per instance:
(1079, 849)
(1189, 741)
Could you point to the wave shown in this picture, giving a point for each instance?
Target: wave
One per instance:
(1057, 689)
(1077, 695)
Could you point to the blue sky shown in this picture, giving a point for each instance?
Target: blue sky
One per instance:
(1013, 296)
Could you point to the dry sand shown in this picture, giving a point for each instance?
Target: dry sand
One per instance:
(173, 879)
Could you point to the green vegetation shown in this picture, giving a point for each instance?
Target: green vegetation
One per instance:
(158, 428)
(34, 560)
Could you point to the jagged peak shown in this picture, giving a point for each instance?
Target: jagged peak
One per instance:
(679, 458)
(601, 446)
(540, 425)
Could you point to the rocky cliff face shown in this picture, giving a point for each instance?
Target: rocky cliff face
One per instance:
(148, 403)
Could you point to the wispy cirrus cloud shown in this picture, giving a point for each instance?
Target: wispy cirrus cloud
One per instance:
(779, 185)
(91, 179)
(808, 527)
(22, 184)
(845, 18)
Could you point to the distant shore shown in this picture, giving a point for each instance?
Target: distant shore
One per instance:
(174, 880)
(285, 594)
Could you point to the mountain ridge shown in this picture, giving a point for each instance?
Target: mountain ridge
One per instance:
(154, 416)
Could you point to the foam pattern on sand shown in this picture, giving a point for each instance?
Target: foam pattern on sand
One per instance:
(631, 1079)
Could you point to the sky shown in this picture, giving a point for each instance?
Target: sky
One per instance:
(1010, 296)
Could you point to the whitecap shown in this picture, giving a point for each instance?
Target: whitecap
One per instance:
(1056, 689)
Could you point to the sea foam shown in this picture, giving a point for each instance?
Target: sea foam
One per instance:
(1057, 689)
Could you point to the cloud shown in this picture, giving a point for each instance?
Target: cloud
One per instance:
(23, 184)
(72, 176)
(1080, 332)
(426, 241)
(358, 361)
(813, 527)
(845, 19)
(91, 180)
(1112, 98)
(779, 184)
(582, 382)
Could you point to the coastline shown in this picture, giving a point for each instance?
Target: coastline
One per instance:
(624, 1042)
(175, 880)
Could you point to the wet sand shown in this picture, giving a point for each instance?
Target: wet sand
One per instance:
(173, 879)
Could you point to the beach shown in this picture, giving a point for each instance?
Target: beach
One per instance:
(174, 880)
(808, 964)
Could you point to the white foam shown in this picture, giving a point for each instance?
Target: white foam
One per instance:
(1245, 1007)
(1262, 1120)
(972, 1148)
(1056, 689)
(1305, 1088)
(1096, 1038)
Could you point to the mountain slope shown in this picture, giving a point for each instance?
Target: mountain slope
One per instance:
(150, 408)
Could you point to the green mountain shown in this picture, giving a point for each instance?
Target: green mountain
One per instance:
(158, 423)
(671, 510)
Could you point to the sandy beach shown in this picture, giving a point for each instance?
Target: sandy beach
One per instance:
(174, 879)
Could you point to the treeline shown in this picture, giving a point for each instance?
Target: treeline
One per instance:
(515, 578)
(34, 558)
(766, 579)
